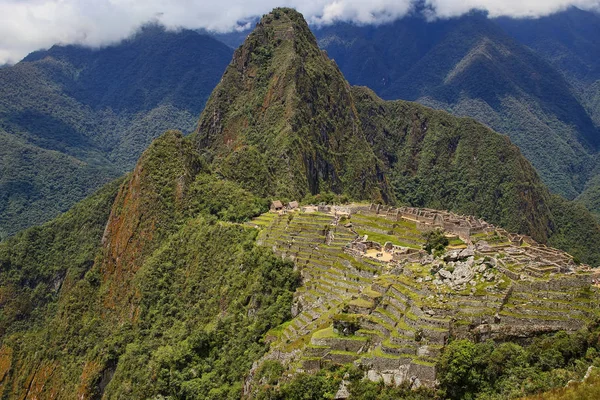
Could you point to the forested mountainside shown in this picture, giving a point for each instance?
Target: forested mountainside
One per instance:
(482, 68)
(74, 118)
(175, 282)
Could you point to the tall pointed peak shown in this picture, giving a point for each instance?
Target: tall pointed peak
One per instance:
(284, 105)
(279, 37)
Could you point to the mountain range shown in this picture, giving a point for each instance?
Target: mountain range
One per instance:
(73, 118)
(507, 73)
(175, 282)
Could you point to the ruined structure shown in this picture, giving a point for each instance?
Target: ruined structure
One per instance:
(371, 296)
(427, 219)
(276, 205)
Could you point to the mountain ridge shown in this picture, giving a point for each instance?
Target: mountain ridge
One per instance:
(516, 91)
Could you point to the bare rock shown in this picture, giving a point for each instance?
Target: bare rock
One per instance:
(466, 253)
(445, 274)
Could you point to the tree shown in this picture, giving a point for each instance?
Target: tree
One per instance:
(436, 242)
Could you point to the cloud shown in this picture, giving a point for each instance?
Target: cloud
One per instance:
(511, 8)
(27, 25)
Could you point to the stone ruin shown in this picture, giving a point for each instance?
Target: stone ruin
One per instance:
(497, 285)
(428, 219)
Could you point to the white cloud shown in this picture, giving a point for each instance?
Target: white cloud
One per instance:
(27, 25)
(512, 8)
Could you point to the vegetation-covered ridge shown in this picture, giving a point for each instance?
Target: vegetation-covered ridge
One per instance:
(534, 80)
(74, 118)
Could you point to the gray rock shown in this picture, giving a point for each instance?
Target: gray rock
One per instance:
(466, 253)
(462, 274)
(470, 262)
(373, 376)
(342, 392)
(452, 255)
(445, 273)
(415, 382)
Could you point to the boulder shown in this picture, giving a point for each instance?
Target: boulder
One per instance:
(445, 274)
(452, 256)
(466, 253)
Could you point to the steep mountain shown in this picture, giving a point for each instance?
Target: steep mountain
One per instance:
(284, 111)
(470, 67)
(569, 41)
(74, 118)
(175, 282)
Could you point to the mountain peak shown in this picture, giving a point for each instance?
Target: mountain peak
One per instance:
(283, 105)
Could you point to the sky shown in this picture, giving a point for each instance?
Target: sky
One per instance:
(28, 25)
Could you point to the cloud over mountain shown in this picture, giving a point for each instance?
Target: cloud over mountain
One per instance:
(27, 25)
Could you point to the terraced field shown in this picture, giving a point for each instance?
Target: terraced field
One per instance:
(394, 317)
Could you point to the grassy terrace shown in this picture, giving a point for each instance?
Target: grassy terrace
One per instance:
(334, 280)
(401, 233)
(329, 333)
(382, 238)
(360, 302)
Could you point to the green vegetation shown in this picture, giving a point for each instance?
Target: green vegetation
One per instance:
(72, 119)
(471, 66)
(588, 390)
(490, 370)
(436, 242)
(38, 262)
(590, 197)
(200, 332)
(575, 230)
